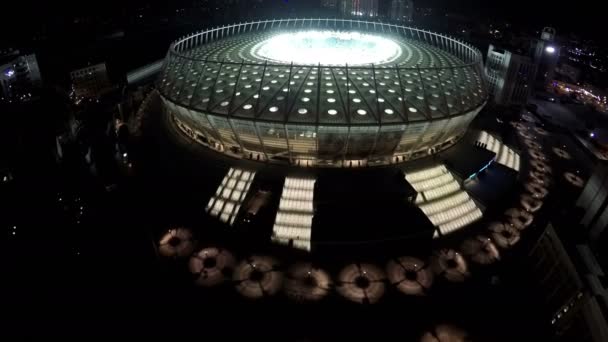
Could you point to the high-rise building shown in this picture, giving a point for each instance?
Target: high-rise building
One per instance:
(546, 56)
(401, 10)
(90, 82)
(594, 201)
(330, 7)
(359, 8)
(572, 286)
(19, 76)
(331, 4)
(509, 75)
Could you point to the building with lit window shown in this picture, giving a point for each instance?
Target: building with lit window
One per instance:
(330, 4)
(594, 201)
(323, 92)
(510, 76)
(546, 56)
(572, 285)
(402, 10)
(90, 82)
(19, 76)
(359, 8)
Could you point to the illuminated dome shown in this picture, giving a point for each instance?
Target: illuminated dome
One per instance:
(322, 92)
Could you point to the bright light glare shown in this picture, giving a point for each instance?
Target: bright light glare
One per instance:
(550, 49)
(328, 48)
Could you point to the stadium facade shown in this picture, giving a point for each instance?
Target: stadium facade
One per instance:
(323, 92)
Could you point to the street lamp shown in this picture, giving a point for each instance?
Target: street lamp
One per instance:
(550, 49)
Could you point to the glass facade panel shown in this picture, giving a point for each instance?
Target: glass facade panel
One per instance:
(361, 142)
(225, 132)
(411, 136)
(248, 135)
(302, 141)
(189, 118)
(452, 129)
(203, 124)
(388, 140)
(431, 134)
(332, 142)
(275, 142)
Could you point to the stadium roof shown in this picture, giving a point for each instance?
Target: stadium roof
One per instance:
(422, 78)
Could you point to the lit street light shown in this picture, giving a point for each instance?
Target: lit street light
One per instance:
(550, 49)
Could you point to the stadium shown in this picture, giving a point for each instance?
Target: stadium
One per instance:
(323, 92)
(330, 159)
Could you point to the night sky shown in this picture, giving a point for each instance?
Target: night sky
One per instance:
(581, 16)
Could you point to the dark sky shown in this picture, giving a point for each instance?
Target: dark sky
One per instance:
(584, 16)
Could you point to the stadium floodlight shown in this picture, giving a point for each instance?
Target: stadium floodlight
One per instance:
(328, 48)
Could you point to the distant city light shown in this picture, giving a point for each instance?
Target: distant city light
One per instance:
(9, 72)
(592, 135)
(550, 49)
(328, 48)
